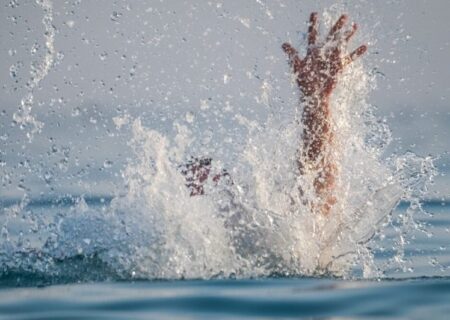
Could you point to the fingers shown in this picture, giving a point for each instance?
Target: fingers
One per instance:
(337, 27)
(292, 53)
(312, 30)
(358, 52)
(354, 55)
(349, 34)
(290, 50)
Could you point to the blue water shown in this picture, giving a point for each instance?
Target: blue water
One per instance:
(418, 290)
(426, 298)
(107, 105)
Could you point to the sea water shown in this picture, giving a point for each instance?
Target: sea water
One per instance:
(84, 287)
(251, 247)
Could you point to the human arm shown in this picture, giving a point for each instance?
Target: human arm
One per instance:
(316, 76)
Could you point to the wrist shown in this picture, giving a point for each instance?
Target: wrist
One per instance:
(315, 102)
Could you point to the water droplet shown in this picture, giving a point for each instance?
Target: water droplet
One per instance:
(133, 71)
(60, 55)
(48, 176)
(63, 164)
(207, 137)
(14, 69)
(4, 137)
(103, 55)
(107, 164)
(13, 3)
(434, 262)
(204, 104)
(190, 117)
(226, 78)
(76, 112)
(34, 48)
(115, 16)
(4, 232)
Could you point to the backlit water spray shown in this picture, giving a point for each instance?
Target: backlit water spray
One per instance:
(39, 70)
(256, 224)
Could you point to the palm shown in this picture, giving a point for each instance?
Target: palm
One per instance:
(317, 73)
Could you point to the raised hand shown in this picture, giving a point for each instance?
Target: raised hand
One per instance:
(318, 71)
(316, 76)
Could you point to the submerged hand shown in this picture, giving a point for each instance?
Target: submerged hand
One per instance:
(317, 72)
(197, 173)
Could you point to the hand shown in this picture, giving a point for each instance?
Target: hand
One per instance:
(318, 71)
(197, 173)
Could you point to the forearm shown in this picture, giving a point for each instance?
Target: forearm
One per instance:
(316, 75)
(317, 133)
(316, 157)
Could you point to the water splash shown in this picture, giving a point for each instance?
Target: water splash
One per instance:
(39, 70)
(258, 225)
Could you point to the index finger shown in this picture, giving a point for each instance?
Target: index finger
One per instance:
(312, 30)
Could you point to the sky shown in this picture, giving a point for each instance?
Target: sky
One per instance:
(167, 60)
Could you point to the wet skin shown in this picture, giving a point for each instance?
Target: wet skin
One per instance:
(316, 76)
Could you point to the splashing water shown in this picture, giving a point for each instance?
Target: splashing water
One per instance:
(39, 70)
(258, 225)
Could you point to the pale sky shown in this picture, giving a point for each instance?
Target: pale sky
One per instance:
(162, 59)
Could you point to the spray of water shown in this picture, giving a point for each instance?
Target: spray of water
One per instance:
(39, 70)
(258, 225)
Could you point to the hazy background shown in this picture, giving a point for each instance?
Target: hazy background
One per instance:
(169, 61)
